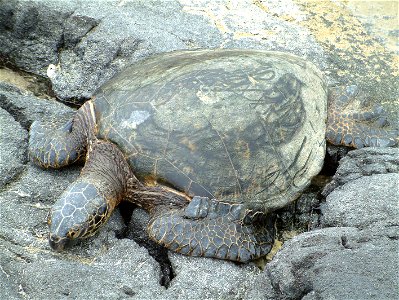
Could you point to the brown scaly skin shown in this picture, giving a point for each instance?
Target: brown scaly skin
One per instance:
(89, 201)
(210, 228)
(59, 147)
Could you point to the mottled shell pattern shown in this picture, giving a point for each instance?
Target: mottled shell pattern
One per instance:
(235, 125)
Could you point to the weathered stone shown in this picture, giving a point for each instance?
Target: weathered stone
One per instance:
(363, 202)
(364, 162)
(89, 42)
(335, 263)
(13, 155)
(222, 279)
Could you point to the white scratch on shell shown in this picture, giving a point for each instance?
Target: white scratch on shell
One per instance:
(136, 118)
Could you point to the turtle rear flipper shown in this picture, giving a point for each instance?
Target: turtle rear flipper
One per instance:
(353, 128)
(210, 228)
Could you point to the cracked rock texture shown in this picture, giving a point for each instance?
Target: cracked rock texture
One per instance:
(13, 136)
(353, 252)
(364, 162)
(357, 245)
(88, 42)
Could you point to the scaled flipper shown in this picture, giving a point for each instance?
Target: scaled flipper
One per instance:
(210, 228)
(52, 146)
(354, 128)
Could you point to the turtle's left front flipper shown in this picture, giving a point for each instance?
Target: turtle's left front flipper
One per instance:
(358, 127)
(210, 228)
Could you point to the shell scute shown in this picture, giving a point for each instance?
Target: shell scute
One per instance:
(243, 126)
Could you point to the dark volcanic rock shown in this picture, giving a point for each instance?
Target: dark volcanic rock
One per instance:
(13, 156)
(336, 263)
(88, 42)
(364, 162)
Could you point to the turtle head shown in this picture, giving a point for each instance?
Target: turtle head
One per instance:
(77, 214)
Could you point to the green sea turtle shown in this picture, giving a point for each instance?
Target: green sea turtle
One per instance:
(207, 141)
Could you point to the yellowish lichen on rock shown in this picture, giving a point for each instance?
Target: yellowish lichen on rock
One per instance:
(237, 19)
(382, 17)
(339, 30)
(276, 247)
(14, 78)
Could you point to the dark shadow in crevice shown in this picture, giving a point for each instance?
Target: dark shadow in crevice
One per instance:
(331, 161)
(136, 230)
(40, 86)
(15, 112)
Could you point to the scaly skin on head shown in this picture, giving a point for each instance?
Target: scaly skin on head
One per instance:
(89, 201)
(105, 180)
(78, 213)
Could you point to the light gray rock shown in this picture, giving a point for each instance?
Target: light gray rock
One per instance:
(222, 279)
(335, 263)
(113, 273)
(13, 140)
(362, 202)
(26, 108)
(364, 162)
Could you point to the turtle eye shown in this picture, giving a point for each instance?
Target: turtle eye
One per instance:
(73, 234)
(102, 211)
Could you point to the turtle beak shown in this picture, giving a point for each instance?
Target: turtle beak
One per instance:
(56, 243)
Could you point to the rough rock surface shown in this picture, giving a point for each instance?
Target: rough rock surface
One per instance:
(12, 136)
(364, 162)
(90, 41)
(356, 256)
(353, 255)
(363, 202)
(336, 263)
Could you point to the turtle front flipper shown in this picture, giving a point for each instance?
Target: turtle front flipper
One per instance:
(55, 147)
(348, 126)
(210, 228)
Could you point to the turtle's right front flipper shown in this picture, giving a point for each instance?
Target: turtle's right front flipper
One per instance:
(57, 147)
(210, 228)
